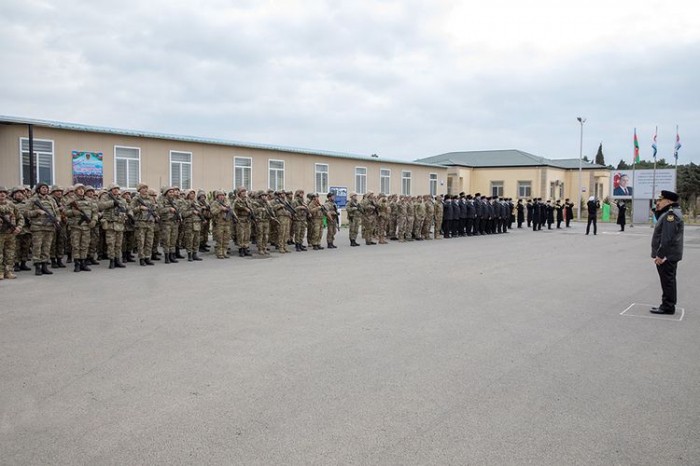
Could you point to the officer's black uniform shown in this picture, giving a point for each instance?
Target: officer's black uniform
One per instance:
(667, 242)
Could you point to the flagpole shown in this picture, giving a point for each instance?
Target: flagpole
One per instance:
(653, 181)
(634, 180)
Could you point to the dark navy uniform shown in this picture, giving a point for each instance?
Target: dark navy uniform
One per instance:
(667, 242)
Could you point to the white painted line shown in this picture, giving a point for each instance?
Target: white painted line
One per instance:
(652, 317)
(630, 307)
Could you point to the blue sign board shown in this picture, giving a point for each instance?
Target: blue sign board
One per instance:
(341, 195)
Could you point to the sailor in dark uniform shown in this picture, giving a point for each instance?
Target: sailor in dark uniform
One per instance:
(667, 248)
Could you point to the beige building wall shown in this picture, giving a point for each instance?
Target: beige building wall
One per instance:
(212, 164)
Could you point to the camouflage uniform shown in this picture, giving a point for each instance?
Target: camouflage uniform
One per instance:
(221, 224)
(129, 243)
(410, 209)
(437, 206)
(354, 217)
(192, 224)
(418, 217)
(262, 225)
(58, 246)
(402, 219)
(382, 218)
(369, 214)
(169, 213)
(206, 220)
(316, 214)
(145, 216)
(429, 217)
(95, 228)
(243, 208)
(300, 219)
(331, 211)
(284, 216)
(81, 215)
(393, 216)
(155, 255)
(11, 223)
(44, 216)
(24, 238)
(114, 214)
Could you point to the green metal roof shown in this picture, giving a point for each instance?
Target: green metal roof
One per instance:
(504, 158)
(201, 140)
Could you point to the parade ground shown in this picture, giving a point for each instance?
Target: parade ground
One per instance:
(519, 348)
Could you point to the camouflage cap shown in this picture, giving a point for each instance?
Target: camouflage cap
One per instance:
(55, 188)
(140, 186)
(3, 189)
(39, 185)
(113, 186)
(18, 189)
(89, 188)
(201, 193)
(78, 185)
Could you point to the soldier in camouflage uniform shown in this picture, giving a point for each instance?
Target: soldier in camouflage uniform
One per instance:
(263, 217)
(95, 229)
(354, 218)
(82, 216)
(370, 211)
(180, 242)
(418, 217)
(283, 212)
(129, 243)
(429, 217)
(437, 206)
(192, 224)
(24, 238)
(169, 213)
(300, 219)
(58, 246)
(410, 210)
(114, 215)
(393, 217)
(44, 215)
(145, 217)
(332, 219)
(155, 255)
(11, 223)
(221, 224)
(316, 215)
(243, 208)
(384, 212)
(203, 205)
(402, 219)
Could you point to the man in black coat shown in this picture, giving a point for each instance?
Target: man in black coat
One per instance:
(667, 248)
(530, 210)
(521, 213)
(593, 205)
(447, 216)
(471, 215)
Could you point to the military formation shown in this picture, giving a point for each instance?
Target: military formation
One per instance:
(50, 227)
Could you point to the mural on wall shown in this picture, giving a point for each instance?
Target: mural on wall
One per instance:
(87, 168)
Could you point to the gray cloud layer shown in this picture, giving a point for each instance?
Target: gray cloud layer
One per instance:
(339, 76)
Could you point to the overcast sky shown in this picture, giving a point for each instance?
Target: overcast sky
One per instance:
(402, 79)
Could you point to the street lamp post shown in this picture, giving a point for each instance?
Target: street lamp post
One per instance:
(580, 168)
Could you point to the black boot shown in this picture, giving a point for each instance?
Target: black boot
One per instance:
(59, 263)
(174, 258)
(53, 263)
(302, 247)
(142, 262)
(247, 252)
(69, 258)
(195, 257)
(91, 261)
(167, 258)
(76, 266)
(119, 264)
(177, 254)
(23, 266)
(155, 257)
(189, 257)
(111, 263)
(84, 266)
(17, 269)
(128, 257)
(37, 269)
(45, 269)
(241, 253)
(147, 261)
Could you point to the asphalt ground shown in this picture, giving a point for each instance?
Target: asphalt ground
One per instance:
(523, 348)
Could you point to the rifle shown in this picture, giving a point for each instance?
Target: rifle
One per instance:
(52, 217)
(252, 212)
(178, 215)
(270, 212)
(83, 216)
(120, 208)
(150, 210)
(229, 212)
(289, 207)
(7, 223)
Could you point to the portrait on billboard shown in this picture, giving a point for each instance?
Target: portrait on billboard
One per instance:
(622, 184)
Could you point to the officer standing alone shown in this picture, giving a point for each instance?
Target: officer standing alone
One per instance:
(667, 248)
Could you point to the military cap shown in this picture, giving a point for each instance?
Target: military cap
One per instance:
(261, 193)
(78, 185)
(219, 193)
(330, 195)
(89, 188)
(39, 185)
(353, 194)
(670, 195)
(4, 190)
(55, 187)
(201, 193)
(112, 186)
(17, 189)
(140, 186)
(312, 195)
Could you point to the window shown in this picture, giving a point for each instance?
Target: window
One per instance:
(276, 174)
(552, 189)
(406, 183)
(43, 162)
(433, 184)
(243, 173)
(360, 180)
(181, 169)
(385, 181)
(561, 190)
(524, 189)
(321, 170)
(127, 166)
(497, 188)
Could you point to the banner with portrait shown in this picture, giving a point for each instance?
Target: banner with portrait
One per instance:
(87, 168)
(641, 184)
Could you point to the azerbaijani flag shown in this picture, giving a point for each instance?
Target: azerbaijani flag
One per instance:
(677, 146)
(653, 142)
(636, 147)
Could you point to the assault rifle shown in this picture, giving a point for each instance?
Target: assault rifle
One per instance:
(83, 216)
(121, 209)
(229, 212)
(6, 223)
(289, 207)
(52, 217)
(178, 215)
(271, 213)
(150, 210)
